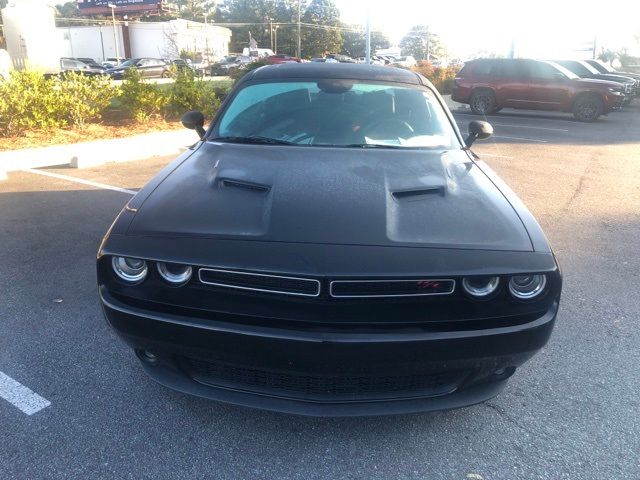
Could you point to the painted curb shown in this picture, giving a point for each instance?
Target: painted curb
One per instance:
(98, 152)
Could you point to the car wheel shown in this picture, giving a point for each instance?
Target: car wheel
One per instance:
(482, 102)
(166, 74)
(588, 108)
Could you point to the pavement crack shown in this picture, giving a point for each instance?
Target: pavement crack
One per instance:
(502, 413)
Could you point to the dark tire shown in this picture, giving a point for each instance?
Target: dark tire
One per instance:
(482, 102)
(588, 108)
(496, 110)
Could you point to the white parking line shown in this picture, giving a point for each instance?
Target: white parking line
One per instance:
(80, 180)
(528, 126)
(20, 396)
(460, 125)
(482, 154)
(521, 138)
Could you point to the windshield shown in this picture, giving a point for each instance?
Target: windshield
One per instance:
(565, 71)
(578, 68)
(341, 113)
(128, 63)
(607, 68)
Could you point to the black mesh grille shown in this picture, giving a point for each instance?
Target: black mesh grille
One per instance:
(391, 288)
(260, 282)
(345, 387)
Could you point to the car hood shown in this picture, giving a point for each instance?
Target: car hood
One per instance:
(610, 77)
(381, 197)
(635, 76)
(595, 81)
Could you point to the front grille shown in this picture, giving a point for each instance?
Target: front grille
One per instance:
(328, 387)
(260, 282)
(391, 288)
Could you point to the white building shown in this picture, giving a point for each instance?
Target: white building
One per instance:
(138, 39)
(32, 40)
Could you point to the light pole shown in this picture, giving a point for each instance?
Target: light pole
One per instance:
(115, 35)
(275, 39)
(299, 39)
(368, 39)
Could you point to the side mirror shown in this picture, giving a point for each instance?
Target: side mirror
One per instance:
(194, 120)
(559, 77)
(478, 130)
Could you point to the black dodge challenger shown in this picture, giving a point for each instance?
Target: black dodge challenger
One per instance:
(331, 246)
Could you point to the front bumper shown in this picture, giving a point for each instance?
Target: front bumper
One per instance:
(613, 102)
(320, 373)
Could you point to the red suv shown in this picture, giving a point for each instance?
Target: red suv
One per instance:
(280, 58)
(488, 85)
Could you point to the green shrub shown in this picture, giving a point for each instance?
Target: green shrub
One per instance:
(143, 100)
(240, 72)
(29, 101)
(83, 98)
(441, 77)
(191, 93)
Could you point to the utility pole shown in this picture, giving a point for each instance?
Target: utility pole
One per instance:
(115, 35)
(595, 43)
(368, 39)
(299, 37)
(275, 39)
(271, 32)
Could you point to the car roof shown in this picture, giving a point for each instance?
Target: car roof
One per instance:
(350, 71)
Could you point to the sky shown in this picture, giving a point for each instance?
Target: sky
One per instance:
(540, 28)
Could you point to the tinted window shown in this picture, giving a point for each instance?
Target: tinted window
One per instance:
(483, 69)
(543, 71)
(515, 69)
(338, 113)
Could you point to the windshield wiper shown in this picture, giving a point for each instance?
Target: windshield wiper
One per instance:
(372, 145)
(254, 140)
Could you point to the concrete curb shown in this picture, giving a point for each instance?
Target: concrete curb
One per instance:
(98, 152)
(455, 106)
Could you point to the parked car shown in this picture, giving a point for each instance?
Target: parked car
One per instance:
(112, 62)
(71, 65)
(148, 68)
(201, 66)
(488, 85)
(181, 65)
(281, 58)
(5, 65)
(602, 67)
(230, 63)
(341, 58)
(405, 62)
(324, 60)
(91, 62)
(330, 246)
(584, 70)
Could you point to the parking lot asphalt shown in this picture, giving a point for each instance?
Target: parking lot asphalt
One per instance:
(572, 412)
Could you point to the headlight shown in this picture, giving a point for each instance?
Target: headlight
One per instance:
(525, 287)
(480, 287)
(615, 91)
(174, 273)
(131, 270)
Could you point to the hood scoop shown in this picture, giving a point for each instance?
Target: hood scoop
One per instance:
(243, 185)
(417, 193)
